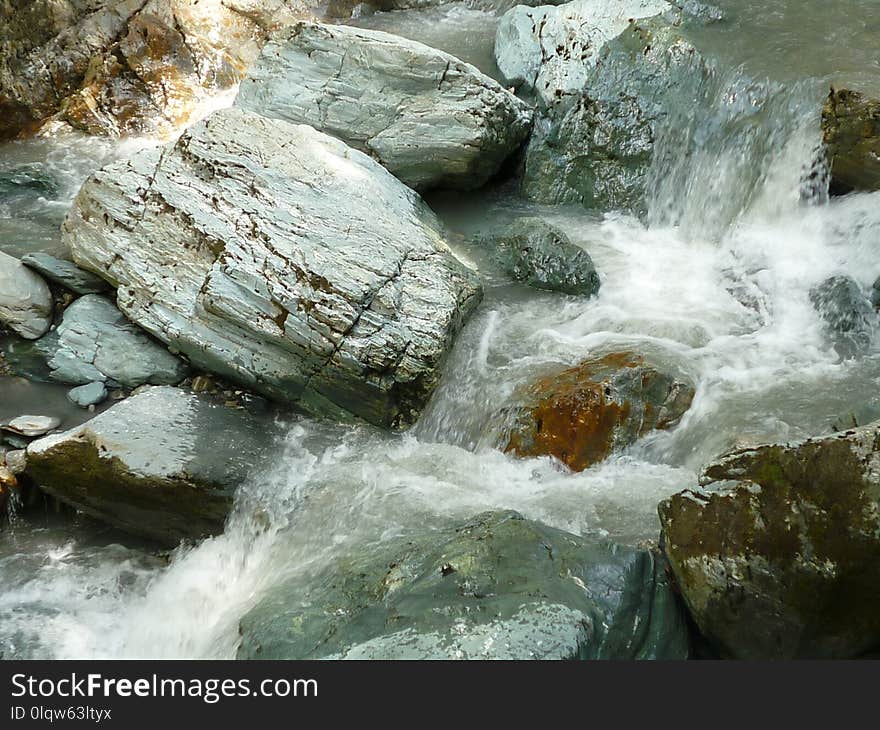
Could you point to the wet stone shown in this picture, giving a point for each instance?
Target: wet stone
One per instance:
(65, 273)
(848, 315)
(31, 426)
(88, 395)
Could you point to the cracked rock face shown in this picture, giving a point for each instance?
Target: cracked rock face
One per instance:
(782, 558)
(603, 73)
(163, 463)
(280, 258)
(495, 587)
(25, 299)
(429, 118)
(122, 67)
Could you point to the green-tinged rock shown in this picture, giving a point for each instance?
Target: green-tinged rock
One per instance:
(582, 414)
(783, 559)
(65, 273)
(848, 315)
(851, 132)
(88, 395)
(497, 587)
(163, 464)
(540, 255)
(96, 343)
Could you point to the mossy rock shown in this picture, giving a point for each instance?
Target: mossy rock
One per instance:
(582, 414)
(496, 587)
(782, 560)
(851, 132)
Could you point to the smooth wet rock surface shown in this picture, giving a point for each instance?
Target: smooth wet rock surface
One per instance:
(429, 118)
(496, 587)
(540, 255)
(582, 414)
(851, 133)
(25, 299)
(282, 260)
(163, 463)
(88, 395)
(778, 556)
(65, 273)
(604, 76)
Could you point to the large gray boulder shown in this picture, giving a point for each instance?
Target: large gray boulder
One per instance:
(496, 587)
(96, 343)
(603, 73)
(164, 463)
(282, 259)
(428, 117)
(25, 299)
(778, 555)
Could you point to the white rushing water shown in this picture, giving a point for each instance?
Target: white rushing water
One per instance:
(715, 285)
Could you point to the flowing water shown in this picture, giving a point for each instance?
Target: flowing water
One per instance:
(714, 284)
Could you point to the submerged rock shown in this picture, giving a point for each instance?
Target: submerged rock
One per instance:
(782, 560)
(496, 587)
(580, 415)
(851, 132)
(428, 117)
(96, 343)
(163, 463)
(65, 273)
(25, 299)
(123, 66)
(847, 312)
(604, 75)
(539, 254)
(281, 259)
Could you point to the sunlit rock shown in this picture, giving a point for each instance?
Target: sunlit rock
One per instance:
(124, 66)
(540, 255)
(580, 415)
(163, 464)
(25, 299)
(851, 132)
(429, 118)
(779, 557)
(495, 587)
(279, 258)
(603, 73)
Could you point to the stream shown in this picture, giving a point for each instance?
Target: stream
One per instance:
(714, 283)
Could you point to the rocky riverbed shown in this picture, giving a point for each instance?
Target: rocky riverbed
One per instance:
(439, 330)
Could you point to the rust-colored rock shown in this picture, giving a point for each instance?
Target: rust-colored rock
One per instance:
(851, 132)
(582, 414)
(121, 67)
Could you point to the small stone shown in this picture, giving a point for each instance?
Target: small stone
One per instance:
(32, 426)
(203, 384)
(89, 395)
(16, 461)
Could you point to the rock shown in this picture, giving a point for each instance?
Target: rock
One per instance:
(29, 178)
(96, 343)
(428, 117)
(88, 395)
(604, 75)
(163, 464)
(851, 133)
(496, 587)
(16, 461)
(580, 415)
(280, 259)
(847, 312)
(25, 299)
(783, 559)
(123, 66)
(542, 256)
(31, 426)
(65, 273)
(875, 293)
(8, 486)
